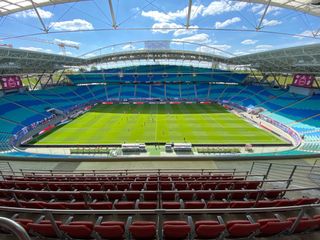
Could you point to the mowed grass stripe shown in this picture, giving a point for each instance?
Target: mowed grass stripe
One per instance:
(195, 123)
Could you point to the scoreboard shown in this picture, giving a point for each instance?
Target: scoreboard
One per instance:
(303, 80)
(10, 82)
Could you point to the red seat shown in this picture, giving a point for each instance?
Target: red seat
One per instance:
(122, 186)
(194, 205)
(24, 222)
(265, 204)
(220, 195)
(241, 204)
(124, 205)
(195, 186)
(166, 186)
(181, 185)
(94, 186)
(137, 186)
(143, 230)
(208, 229)
(239, 195)
(306, 201)
(44, 228)
(242, 228)
(132, 196)
(150, 196)
(97, 196)
(171, 205)
(76, 205)
(203, 195)
(253, 184)
(54, 205)
(176, 230)
(36, 186)
(217, 204)
(113, 230)
(286, 202)
(273, 226)
(32, 204)
(109, 186)
(100, 205)
(78, 229)
(147, 205)
(273, 194)
(171, 196)
(207, 186)
(305, 224)
(151, 186)
(114, 196)
(186, 195)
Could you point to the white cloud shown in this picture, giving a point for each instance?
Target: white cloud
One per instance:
(32, 13)
(67, 53)
(171, 16)
(227, 22)
(128, 47)
(66, 42)
(249, 42)
(219, 7)
(36, 49)
(257, 7)
(270, 23)
(307, 33)
(72, 25)
(275, 10)
(89, 55)
(264, 46)
(200, 38)
(177, 29)
(214, 48)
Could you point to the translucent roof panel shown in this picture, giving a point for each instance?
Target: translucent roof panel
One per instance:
(12, 6)
(308, 6)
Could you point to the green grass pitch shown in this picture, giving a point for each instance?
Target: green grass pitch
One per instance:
(194, 123)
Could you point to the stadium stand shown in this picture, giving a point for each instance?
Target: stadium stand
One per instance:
(165, 205)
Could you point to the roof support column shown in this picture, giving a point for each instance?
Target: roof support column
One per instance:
(263, 15)
(39, 17)
(114, 23)
(189, 14)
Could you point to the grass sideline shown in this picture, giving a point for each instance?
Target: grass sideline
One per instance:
(128, 123)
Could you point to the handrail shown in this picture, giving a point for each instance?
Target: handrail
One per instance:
(69, 182)
(158, 211)
(15, 228)
(159, 191)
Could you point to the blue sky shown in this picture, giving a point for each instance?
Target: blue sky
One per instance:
(225, 25)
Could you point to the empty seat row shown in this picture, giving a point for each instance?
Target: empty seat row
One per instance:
(173, 229)
(144, 195)
(153, 204)
(121, 186)
(105, 177)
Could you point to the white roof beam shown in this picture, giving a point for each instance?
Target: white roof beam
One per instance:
(114, 23)
(39, 17)
(189, 14)
(263, 15)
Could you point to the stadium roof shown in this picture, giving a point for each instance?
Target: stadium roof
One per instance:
(22, 61)
(303, 59)
(12, 6)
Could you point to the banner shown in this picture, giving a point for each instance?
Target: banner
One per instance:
(303, 80)
(11, 82)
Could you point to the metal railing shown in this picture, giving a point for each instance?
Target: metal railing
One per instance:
(15, 228)
(301, 175)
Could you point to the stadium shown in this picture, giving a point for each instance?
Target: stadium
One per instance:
(165, 120)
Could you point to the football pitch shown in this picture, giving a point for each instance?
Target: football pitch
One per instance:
(129, 123)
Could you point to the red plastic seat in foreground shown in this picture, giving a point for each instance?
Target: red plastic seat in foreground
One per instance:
(44, 228)
(124, 205)
(78, 229)
(217, 204)
(306, 201)
(110, 230)
(76, 205)
(273, 226)
(208, 229)
(171, 205)
(242, 204)
(242, 228)
(24, 222)
(100, 205)
(147, 205)
(305, 224)
(143, 230)
(175, 230)
(194, 205)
